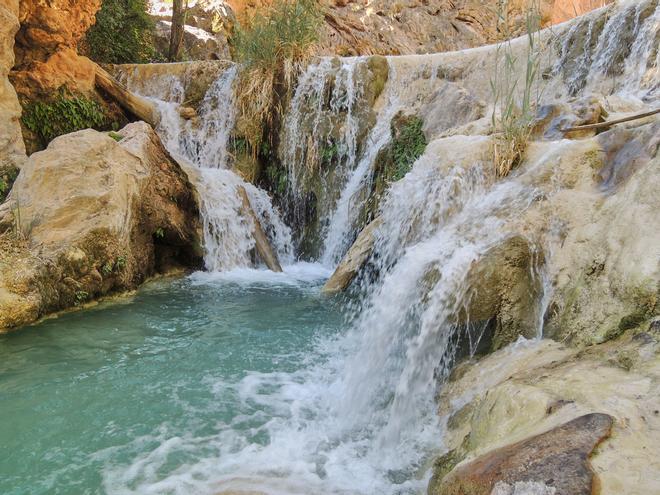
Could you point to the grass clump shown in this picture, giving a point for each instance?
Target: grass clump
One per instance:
(408, 145)
(514, 102)
(123, 33)
(284, 31)
(64, 114)
(272, 48)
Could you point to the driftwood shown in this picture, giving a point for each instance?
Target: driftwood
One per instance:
(136, 105)
(354, 260)
(605, 125)
(264, 249)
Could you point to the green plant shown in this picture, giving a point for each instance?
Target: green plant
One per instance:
(62, 115)
(120, 263)
(106, 269)
(116, 136)
(271, 48)
(286, 30)
(329, 153)
(81, 296)
(277, 177)
(408, 145)
(123, 33)
(6, 180)
(514, 106)
(159, 233)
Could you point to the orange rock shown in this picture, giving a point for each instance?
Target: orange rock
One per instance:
(564, 10)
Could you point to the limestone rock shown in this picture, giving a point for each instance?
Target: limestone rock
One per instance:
(12, 150)
(198, 44)
(557, 458)
(94, 216)
(507, 290)
(530, 388)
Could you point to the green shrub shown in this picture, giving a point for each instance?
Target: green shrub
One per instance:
(123, 33)
(407, 146)
(7, 178)
(64, 114)
(287, 30)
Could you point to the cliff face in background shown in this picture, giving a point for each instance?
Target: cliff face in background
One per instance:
(11, 142)
(46, 53)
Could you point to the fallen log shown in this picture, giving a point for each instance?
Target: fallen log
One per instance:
(605, 125)
(136, 105)
(264, 249)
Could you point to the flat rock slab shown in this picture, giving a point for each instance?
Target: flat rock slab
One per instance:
(558, 458)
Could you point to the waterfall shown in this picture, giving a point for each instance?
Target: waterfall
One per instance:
(361, 417)
(342, 220)
(202, 143)
(613, 55)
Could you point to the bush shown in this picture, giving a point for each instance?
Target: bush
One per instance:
(64, 114)
(272, 48)
(287, 30)
(408, 145)
(123, 33)
(7, 178)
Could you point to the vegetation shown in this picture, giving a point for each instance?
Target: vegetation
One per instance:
(407, 146)
(285, 31)
(123, 33)
(64, 114)
(272, 47)
(7, 178)
(514, 104)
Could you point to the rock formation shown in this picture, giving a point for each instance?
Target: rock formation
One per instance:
(524, 400)
(12, 150)
(90, 216)
(46, 54)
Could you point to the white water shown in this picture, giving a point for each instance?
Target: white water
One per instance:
(360, 417)
(203, 143)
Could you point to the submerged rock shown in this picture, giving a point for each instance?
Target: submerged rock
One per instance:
(555, 459)
(90, 216)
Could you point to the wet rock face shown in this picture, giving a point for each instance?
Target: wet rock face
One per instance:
(555, 459)
(91, 216)
(626, 151)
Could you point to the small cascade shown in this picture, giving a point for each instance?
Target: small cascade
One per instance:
(342, 221)
(328, 119)
(203, 144)
(616, 54)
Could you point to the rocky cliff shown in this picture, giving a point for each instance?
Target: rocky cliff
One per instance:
(12, 150)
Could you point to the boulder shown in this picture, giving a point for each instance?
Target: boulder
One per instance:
(558, 458)
(90, 216)
(506, 289)
(520, 410)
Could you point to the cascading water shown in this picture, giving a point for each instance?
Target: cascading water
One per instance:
(615, 56)
(204, 144)
(281, 399)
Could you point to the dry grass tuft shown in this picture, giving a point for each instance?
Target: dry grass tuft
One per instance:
(514, 102)
(273, 49)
